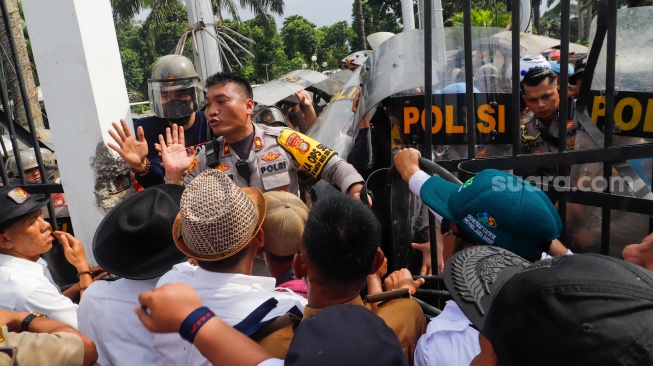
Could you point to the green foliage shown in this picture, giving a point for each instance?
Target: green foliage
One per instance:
(483, 18)
(299, 36)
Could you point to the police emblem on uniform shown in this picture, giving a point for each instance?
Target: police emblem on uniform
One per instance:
(226, 150)
(303, 147)
(223, 168)
(58, 199)
(18, 195)
(270, 157)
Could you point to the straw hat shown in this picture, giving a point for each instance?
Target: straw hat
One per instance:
(217, 219)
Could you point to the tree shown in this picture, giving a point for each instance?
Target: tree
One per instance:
(24, 67)
(359, 24)
(482, 18)
(161, 9)
(299, 37)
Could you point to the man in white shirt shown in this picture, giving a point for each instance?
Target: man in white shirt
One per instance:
(219, 225)
(26, 282)
(133, 241)
(491, 208)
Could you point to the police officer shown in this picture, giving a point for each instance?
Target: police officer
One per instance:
(176, 96)
(30, 166)
(539, 124)
(254, 155)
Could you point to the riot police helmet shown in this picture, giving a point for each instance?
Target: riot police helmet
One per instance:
(30, 165)
(175, 89)
(269, 115)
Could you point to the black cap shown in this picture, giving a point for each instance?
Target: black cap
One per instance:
(134, 240)
(578, 70)
(16, 203)
(583, 309)
(344, 335)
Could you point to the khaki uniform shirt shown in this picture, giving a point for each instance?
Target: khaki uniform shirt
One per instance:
(537, 138)
(276, 156)
(60, 348)
(404, 316)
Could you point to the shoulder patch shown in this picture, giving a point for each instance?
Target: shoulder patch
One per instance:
(310, 154)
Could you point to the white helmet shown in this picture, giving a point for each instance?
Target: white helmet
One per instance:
(28, 158)
(530, 62)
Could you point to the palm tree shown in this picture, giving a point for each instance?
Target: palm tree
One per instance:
(360, 24)
(160, 9)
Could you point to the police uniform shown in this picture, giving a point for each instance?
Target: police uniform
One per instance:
(403, 315)
(276, 155)
(537, 138)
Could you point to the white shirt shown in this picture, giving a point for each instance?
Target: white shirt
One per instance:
(449, 340)
(28, 286)
(106, 316)
(230, 296)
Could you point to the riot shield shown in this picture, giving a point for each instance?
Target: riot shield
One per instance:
(633, 125)
(335, 126)
(393, 82)
(272, 92)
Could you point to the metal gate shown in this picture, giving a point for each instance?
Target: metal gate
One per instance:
(16, 138)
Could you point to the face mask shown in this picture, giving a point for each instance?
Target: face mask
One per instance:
(179, 108)
(180, 121)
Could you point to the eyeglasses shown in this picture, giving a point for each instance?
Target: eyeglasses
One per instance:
(445, 230)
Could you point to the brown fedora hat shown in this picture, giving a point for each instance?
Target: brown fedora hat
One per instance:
(217, 219)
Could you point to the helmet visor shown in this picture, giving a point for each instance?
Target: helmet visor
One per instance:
(175, 98)
(271, 116)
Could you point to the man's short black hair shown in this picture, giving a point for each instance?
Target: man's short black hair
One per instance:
(535, 76)
(340, 238)
(224, 78)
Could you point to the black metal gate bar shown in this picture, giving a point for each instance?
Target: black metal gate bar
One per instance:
(564, 107)
(514, 115)
(23, 90)
(469, 79)
(609, 117)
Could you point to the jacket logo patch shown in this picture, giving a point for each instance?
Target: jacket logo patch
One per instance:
(226, 150)
(270, 157)
(570, 124)
(280, 166)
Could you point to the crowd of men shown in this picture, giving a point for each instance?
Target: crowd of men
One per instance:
(175, 282)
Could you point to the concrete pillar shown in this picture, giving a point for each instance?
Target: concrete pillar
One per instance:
(209, 60)
(76, 53)
(408, 15)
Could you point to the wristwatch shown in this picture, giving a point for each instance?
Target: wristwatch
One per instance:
(28, 319)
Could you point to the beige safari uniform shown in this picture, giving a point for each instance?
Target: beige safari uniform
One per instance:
(60, 348)
(277, 154)
(533, 133)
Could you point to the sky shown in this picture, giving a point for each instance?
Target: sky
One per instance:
(317, 12)
(323, 12)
